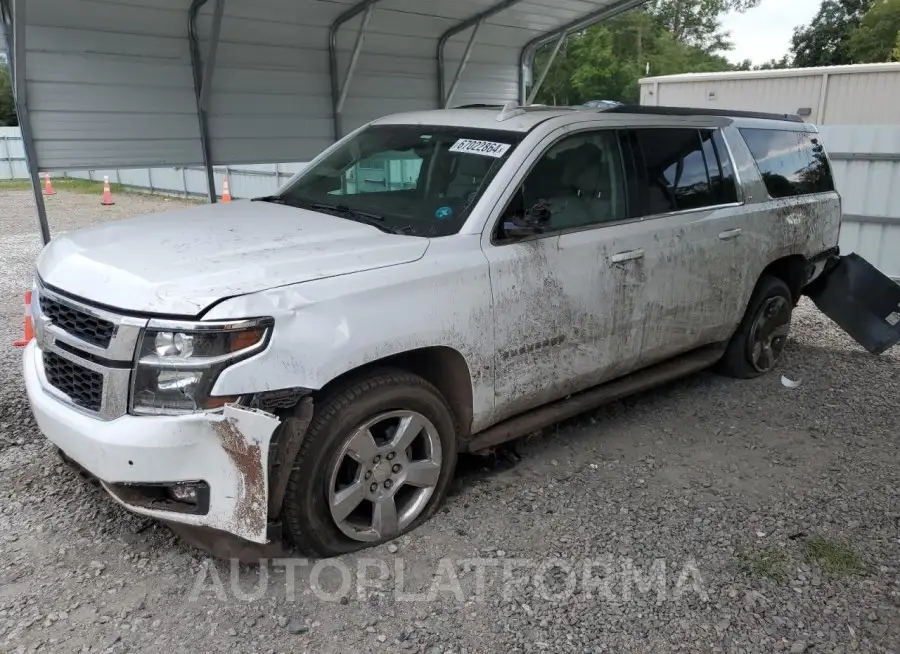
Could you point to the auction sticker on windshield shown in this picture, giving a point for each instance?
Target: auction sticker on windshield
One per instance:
(486, 148)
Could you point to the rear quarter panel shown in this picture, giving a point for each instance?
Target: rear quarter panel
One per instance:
(778, 227)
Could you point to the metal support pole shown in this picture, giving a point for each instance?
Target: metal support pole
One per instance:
(462, 64)
(14, 26)
(206, 88)
(457, 29)
(526, 57)
(203, 81)
(337, 94)
(537, 85)
(354, 58)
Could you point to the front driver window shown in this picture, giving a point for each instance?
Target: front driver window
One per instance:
(578, 182)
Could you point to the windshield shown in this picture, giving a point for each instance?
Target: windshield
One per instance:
(405, 179)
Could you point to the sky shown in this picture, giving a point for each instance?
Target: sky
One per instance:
(764, 33)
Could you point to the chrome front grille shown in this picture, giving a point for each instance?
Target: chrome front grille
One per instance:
(81, 385)
(83, 325)
(86, 353)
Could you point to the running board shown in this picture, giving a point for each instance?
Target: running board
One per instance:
(636, 382)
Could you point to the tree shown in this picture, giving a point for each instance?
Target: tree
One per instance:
(772, 64)
(897, 48)
(696, 22)
(825, 41)
(878, 32)
(606, 61)
(775, 64)
(7, 104)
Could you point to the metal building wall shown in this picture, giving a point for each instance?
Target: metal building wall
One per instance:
(866, 163)
(110, 82)
(867, 94)
(863, 98)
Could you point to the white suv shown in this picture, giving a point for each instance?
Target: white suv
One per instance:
(436, 282)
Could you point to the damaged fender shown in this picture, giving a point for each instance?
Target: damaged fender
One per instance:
(238, 455)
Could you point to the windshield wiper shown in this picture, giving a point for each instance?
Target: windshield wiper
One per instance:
(275, 199)
(364, 217)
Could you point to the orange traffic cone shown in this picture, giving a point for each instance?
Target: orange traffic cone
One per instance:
(107, 194)
(29, 329)
(48, 187)
(226, 191)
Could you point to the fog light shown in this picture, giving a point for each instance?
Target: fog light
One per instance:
(184, 493)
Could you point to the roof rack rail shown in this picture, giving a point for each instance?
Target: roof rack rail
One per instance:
(693, 111)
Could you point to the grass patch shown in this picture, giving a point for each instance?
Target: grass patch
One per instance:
(833, 556)
(62, 183)
(767, 563)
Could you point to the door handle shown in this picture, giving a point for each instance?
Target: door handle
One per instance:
(730, 234)
(630, 255)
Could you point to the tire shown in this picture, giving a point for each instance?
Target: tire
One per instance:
(324, 463)
(773, 297)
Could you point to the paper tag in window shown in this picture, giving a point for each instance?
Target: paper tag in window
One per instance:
(893, 319)
(485, 148)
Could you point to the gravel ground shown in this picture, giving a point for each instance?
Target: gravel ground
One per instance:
(710, 515)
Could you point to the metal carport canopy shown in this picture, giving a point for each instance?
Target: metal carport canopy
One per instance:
(134, 83)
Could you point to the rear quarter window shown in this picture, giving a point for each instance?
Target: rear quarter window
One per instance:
(791, 163)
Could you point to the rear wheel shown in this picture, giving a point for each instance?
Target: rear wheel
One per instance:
(759, 340)
(375, 463)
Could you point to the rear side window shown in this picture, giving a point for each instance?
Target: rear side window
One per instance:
(791, 163)
(684, 169)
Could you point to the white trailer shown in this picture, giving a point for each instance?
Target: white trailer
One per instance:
(864, 94)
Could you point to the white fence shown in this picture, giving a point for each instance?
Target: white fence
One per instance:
(866, 166)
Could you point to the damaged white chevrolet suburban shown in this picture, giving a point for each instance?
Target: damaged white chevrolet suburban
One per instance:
(308, 365)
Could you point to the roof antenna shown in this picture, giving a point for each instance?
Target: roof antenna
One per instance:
(509, 110)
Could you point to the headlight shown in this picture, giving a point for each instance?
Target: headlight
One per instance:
(178, 363)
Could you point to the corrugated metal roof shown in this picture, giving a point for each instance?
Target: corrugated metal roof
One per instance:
(111, 83)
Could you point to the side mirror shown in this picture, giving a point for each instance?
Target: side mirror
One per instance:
(531, 223)
(520, 230)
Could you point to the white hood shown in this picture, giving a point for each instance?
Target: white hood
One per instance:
(180, 262)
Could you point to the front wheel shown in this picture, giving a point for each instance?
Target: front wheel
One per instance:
(759, 340)
(376, 462)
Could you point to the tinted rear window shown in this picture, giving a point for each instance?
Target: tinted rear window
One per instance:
(791, 163)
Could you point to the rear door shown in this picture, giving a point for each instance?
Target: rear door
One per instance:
(689, 203)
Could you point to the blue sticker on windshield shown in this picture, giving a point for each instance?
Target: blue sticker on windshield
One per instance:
(443, 213)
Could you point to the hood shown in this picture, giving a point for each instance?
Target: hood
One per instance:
(180, 262)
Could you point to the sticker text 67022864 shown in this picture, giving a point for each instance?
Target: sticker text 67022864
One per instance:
(485, 148)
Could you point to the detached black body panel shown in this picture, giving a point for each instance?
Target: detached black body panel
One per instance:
(862, 300)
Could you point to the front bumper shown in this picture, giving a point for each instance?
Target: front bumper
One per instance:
(228, 450)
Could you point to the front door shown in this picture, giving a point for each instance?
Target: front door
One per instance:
(568, 302)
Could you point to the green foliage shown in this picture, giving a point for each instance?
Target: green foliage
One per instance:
(826, 40)
(768, 563)
(696, 22)
(607, 60)
(878, 33)
(834, 557)
(62, 184)
(772, 64)
(7, 104)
